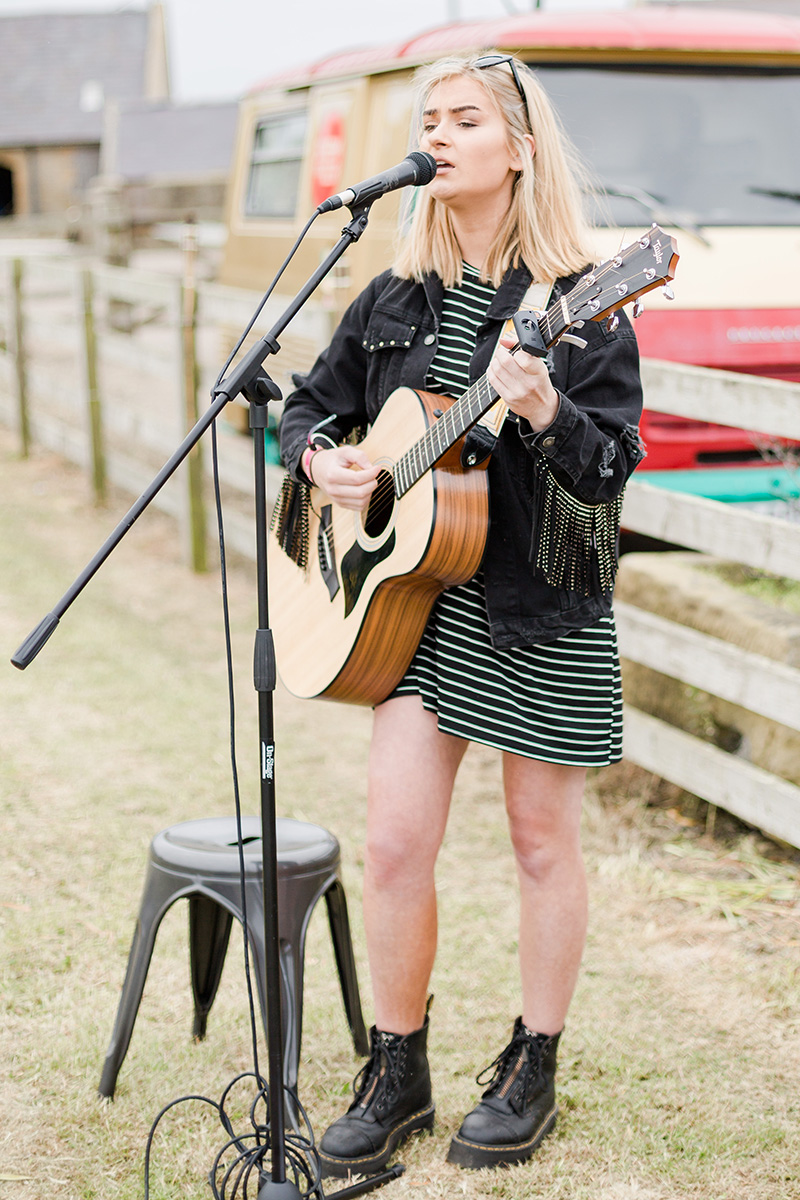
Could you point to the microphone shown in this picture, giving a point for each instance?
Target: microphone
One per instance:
(418, 168)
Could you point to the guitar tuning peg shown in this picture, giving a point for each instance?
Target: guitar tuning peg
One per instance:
(612, 323)
(667, 292)
(638, 307)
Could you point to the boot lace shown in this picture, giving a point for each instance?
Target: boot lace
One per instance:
(520, 1062)
(378, 1081)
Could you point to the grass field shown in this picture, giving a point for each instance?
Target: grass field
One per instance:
(680, 1065)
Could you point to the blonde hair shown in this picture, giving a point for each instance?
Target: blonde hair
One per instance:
(545, 225)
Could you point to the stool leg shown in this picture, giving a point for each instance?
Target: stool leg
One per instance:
(346, 964)
(138, 963)
(209, 931)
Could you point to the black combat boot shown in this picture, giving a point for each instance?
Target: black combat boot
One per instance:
(392, 1101)
(517, 1109)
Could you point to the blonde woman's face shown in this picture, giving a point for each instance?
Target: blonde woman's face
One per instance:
(465, 133)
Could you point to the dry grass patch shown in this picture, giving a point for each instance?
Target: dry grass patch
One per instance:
(680, 1067)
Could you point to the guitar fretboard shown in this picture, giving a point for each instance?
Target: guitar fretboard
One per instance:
(468, 409)
(443, 434)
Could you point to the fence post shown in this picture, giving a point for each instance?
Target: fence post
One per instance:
(94, 407)
(189, 376)
(20, 359)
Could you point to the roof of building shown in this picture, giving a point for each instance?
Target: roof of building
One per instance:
(151, 140)
(60, 68)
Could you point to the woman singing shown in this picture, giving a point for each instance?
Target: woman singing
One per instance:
(523, 657)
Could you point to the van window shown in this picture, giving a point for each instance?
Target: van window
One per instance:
(275, 165)
(701, 146)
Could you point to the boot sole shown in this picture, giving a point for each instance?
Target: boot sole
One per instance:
(475, 1156)
(370, 1164)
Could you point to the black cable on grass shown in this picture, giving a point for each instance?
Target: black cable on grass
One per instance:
(233, 1179)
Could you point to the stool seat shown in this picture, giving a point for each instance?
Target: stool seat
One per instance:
(200, 860)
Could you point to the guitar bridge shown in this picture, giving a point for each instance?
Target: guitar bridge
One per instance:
(327, 557)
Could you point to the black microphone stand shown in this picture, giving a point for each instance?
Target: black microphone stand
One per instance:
(251, 380)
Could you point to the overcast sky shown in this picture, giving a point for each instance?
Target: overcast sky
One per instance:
(220, 48)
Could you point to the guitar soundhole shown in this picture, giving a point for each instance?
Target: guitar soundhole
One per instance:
(381, 506)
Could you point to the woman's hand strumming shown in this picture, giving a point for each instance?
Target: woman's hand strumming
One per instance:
(346, 475)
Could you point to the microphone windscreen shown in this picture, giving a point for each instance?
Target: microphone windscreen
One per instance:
(426, 164)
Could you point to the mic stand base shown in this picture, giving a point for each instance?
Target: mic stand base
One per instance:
(370, 1184)
(285, 1190)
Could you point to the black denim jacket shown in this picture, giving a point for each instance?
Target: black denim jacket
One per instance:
(387, 339)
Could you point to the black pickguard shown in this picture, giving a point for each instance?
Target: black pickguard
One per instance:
(356, 566)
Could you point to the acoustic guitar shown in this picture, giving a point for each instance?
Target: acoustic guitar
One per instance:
(346, 624)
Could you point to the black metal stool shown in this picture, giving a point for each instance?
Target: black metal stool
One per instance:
(200, 860)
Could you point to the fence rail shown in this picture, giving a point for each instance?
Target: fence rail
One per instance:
(107, 366)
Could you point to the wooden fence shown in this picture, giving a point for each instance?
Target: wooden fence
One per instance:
(105, 365)
(766, 543)
(109, 366)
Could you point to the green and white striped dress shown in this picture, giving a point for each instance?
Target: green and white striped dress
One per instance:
(560, 702)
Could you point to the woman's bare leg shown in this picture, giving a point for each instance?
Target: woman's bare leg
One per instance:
(543, 801)
(412, 768)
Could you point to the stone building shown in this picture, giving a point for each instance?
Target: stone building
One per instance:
(60, 72)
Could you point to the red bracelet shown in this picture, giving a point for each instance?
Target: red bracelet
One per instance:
(305, 462)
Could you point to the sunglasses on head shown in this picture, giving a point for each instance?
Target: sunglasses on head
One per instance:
(498, 60)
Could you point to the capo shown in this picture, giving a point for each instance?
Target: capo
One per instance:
(529, 334)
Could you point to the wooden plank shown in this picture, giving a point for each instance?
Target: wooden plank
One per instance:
(752, 681)
(220, 304)
(764, 800)
(123, 283)
(51, 271)
(727, 531)
(233, 308)
(60, 338)
(121, 350)
(770, 406)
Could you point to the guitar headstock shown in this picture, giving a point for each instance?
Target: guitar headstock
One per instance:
(646, 264)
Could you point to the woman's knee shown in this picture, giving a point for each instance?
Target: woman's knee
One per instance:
(544, 814)
(399, 857)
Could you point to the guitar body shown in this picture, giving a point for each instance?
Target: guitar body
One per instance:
(347, 626)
